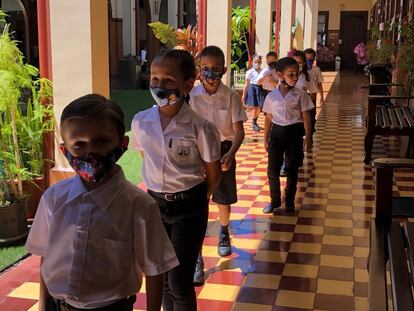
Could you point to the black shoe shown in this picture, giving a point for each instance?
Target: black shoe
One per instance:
(256, 127)
(269, 209)
(198, 279)
(224, 245)
(282, 172)
(290, 208)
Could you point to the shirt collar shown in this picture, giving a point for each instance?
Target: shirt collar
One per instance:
(104, 195)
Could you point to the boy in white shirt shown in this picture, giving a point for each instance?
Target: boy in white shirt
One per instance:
(267, 76)
(222, 106)
(97, 233)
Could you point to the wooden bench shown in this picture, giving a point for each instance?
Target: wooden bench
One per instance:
(391, 241)
(385, 118)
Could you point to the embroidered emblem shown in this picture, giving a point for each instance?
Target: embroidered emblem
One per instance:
(183, 151)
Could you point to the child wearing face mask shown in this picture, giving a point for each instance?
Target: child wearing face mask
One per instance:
(287, 120)
(266, 77)
(97, 233)
(181, 167)
(315, 82)
(252, 92)
(222, 106)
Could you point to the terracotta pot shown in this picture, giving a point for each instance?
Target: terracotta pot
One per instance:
(13, 223)
(34, 188)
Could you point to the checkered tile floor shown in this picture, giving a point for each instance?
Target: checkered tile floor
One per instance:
(314, 259)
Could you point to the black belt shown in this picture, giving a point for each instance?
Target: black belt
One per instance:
(61, 305)
(176, 196)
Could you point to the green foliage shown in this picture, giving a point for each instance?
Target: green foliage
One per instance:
(165, 33)
(380, 48)
(24, 118)
(240, 25)
(405, 55)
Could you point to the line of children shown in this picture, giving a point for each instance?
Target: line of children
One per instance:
(181, 168)
(287, 121)
(252, 92)
(220, 105)
(97, 233)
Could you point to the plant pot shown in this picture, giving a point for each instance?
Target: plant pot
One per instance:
(380, 73)
(34, 188)
(13, 222)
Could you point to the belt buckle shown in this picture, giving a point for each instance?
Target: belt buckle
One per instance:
(169, 197)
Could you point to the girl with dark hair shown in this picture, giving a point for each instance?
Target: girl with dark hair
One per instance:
(181, 168)
(287, 121)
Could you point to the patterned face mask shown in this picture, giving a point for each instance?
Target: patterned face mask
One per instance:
(164, 97)
(93, 167)
(208, 74)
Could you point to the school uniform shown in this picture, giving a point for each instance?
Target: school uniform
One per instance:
(285, 138)
(305, 85)
(254, 93)
(315, 77)
(174, 175)
(96, 244)
(223, 109)
(267, 75)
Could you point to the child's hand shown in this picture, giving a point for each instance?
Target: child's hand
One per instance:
(226, 161)
(266, 145)
(309, 144)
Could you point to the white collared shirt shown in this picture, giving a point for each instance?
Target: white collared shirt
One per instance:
(96, 244)
(253, 75)
(222, 108)
(287, 110)
(302, 83)
(315, 77)
(267, 75)
(173, 159)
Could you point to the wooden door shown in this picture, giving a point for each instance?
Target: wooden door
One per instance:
(353, 30)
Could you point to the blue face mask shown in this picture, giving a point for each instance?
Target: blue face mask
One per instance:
(309, 62)
(208, 74)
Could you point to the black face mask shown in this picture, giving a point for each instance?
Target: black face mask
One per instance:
(208, 74)
(288, 86)
(164, 97)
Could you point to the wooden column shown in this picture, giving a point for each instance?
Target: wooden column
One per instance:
(277, 26)
(252, 30)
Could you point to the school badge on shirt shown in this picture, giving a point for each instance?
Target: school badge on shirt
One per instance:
(183, 151)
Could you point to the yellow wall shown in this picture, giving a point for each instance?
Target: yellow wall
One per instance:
(335, 7)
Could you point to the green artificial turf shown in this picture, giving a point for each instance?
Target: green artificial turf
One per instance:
(131, 102)
(11, 254)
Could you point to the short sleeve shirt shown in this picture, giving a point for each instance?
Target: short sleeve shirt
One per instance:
(268, 78)
(287, 110)
(302, 83)
(253, 75)
(174, 158)
(315, 77)
(222, 108)
(96, 244)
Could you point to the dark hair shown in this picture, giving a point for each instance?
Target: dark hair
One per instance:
(94, 106)
(183, 59)
(302, 55)
(284, 62)
(273, 65)
(271, 53)
(310, 51)
(213, 51)
(257, 56)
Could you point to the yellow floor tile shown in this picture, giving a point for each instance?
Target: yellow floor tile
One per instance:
(312, 214)
(297, 270)
(254, 182)
(246, 243)
(307, 248)
(338, 240)
(360, 216)
(278, 236)
(35, 307)
(295, 299)
(361, 275)
(317, 190)
(338, 223)
(361, 252)
(334, 287)
(219, 292)
(361, 304)
(241, 306)
(28, 290)
(314, 201)
(270, 256)
(256, 211)
(209, 251)
(309, 229)
(337, 261)
(234, 265)
(339, 209)
(340, 186)
(288, 220)
(340, 196)
(258, 280)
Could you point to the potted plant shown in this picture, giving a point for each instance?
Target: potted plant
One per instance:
(405, 57)
(24, 119)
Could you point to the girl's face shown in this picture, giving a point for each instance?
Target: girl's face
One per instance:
(257, 62)
(166, 74)
(290, 74)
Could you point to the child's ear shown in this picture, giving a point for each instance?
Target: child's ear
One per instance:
(188, 86)
(224, 70)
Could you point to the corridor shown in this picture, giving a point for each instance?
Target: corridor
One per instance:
(314, 259)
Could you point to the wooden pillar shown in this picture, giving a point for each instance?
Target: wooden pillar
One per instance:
(277, 26)
(202, 22)
(263, 27)
(252, 30)
(292, 20)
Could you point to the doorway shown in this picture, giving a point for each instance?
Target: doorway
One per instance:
(353, 30)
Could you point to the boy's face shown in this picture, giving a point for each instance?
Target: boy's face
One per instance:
(310, 57)
(95, 135)
(271, 59)
(215, 67)
(167, 75)
(290, 74)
